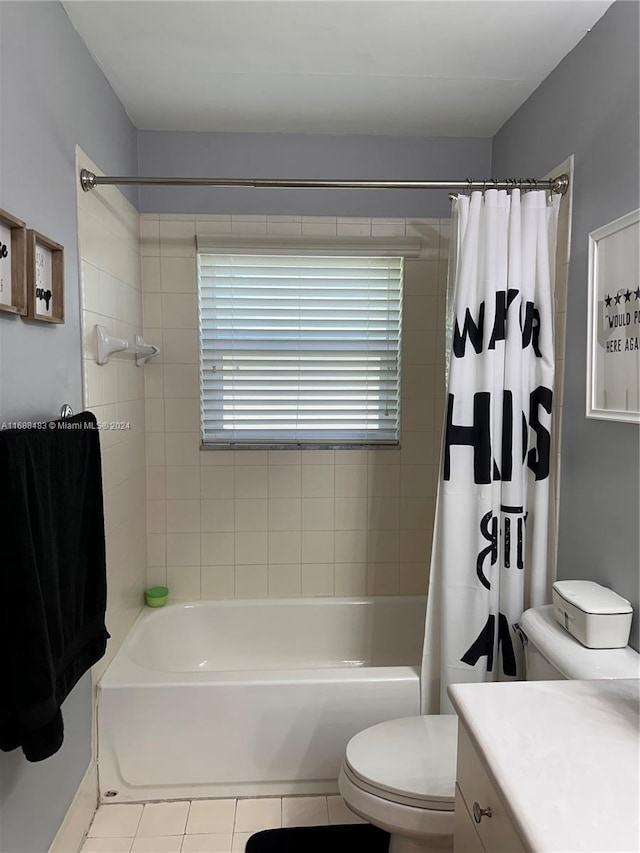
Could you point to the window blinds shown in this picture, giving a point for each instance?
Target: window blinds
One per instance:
(299, 349)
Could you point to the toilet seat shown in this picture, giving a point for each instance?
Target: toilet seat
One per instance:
(410, 761)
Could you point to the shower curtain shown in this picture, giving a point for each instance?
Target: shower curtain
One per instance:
(493, 546)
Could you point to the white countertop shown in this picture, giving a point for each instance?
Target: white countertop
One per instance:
(564, 757)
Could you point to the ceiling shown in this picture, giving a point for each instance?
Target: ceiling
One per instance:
(400, 67)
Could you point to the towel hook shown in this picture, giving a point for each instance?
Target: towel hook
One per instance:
(66, 411)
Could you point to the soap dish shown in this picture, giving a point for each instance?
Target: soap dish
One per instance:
(156, 596)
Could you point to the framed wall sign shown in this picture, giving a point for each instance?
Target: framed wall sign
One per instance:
(13, 264)
(613, 354)
(45, 278)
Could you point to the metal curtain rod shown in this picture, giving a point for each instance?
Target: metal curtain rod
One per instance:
(559, 184)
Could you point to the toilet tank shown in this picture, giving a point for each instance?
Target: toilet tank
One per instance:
(551, 653)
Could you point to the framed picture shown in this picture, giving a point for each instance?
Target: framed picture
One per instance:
(45, 278)
(13, 264)
(613, 354)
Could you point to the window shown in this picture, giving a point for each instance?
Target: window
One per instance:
(299, 349)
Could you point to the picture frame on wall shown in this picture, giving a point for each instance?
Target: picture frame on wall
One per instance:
(45, 278)
(13, 264)
(613, 343)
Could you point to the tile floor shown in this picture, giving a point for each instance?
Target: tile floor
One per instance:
(205, 826)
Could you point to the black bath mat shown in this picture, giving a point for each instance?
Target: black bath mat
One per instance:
(320, 839)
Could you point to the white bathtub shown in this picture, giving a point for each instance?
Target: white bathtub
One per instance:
(245, 698)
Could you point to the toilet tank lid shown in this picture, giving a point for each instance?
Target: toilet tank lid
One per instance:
(569, 656)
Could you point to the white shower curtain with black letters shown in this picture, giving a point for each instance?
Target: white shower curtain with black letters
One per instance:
(493, 536)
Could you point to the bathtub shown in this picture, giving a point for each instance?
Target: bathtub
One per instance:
(252, 698)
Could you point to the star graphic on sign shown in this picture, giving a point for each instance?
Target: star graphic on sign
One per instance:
(637, 292)
(607, 301)
(627, 296)
(618, 298)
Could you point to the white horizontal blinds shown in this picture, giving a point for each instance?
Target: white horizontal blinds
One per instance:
(298, 349)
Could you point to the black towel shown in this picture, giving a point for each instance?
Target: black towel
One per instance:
(53, 588)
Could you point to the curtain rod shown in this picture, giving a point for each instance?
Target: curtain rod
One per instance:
(559, 184)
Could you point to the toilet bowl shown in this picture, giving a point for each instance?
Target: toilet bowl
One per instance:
(400, 775)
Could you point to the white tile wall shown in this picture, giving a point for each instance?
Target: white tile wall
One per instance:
(111, 294)
(251, 523)
(563, 251)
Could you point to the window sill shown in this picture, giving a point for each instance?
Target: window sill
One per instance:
(316, 445)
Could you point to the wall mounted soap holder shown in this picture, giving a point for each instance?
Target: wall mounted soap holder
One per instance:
(107, 345)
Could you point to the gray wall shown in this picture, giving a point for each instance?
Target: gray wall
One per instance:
(588, 107)
(34, 798)
(52, 96)
(310, 156)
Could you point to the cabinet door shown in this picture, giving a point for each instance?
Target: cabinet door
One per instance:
(465, 837)
(496, 831)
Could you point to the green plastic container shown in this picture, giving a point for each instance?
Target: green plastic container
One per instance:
(156, 596)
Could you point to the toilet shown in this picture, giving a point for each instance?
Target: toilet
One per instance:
(400, 775)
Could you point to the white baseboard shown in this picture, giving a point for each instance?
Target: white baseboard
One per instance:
(78, 818)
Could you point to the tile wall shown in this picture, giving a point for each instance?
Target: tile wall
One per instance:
(111, 295)
(563, 248)
(252, 523)
(224, 524)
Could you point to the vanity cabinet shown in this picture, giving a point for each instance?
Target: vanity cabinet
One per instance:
(482, 824)
(557, 762)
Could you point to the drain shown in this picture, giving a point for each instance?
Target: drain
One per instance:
(111, 793)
